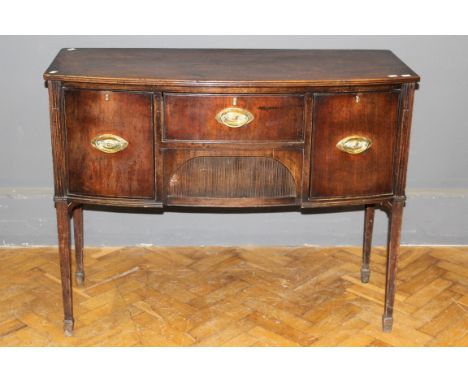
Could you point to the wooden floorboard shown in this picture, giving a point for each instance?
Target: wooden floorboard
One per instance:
(239, 296)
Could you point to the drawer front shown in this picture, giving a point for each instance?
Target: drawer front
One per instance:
(109, 143)
(233, 118)
(364, 125)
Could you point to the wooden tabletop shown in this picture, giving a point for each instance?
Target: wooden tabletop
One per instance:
(229, 67)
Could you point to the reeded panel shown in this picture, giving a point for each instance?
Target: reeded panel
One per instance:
(232, 177)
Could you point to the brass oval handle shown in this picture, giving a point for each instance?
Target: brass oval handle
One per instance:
(234, 117)
(109, 143)
(354, 144)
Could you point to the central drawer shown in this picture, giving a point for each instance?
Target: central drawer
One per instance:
(224, 118)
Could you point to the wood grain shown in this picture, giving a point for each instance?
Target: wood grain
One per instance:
(239, 296)
(235, 178)
(232, 177)
(128, 173)
(401, 160)
(230, 67)
(372, 115)
(77, 215)
(64, 240)
(393, 249)
(369, 214)
(164, 103)
(192, 117)
(57, 134)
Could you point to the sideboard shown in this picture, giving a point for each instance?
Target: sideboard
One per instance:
(150, 128)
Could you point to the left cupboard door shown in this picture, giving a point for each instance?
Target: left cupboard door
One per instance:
(110, 143)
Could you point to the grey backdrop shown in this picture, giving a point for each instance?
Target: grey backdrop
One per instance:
(437, 208)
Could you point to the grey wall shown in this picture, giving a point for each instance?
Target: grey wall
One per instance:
(437, 210)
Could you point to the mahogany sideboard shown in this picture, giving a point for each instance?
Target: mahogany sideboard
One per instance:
(150, 128)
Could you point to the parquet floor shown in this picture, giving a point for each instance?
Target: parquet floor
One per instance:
(241, 296)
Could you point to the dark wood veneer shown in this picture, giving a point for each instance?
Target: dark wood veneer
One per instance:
(192, 118)
(129, 173)
(163, 102)
(232, 177)
(373, 115)
(286, 164)
(225, 67)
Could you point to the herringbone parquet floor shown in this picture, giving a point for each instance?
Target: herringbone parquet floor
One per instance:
(242, 296)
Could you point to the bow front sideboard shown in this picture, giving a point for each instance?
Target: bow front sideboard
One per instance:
(150, 128)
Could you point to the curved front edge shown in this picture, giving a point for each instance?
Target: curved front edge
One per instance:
(114, 202)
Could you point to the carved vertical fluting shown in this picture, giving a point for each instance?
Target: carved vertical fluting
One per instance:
(232, 177)
(306, 153)
(58, 138)
(158, 108)
(401, 163)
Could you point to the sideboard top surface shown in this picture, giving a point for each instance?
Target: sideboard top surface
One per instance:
(229, 67)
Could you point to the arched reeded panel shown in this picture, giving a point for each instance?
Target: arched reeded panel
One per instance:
(232, 177)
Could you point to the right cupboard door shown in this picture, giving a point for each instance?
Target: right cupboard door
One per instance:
(353, 143)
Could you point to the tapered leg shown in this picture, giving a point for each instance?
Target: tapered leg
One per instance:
(63, 224)
(78, 231)
(367, 244)
(393, 247)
